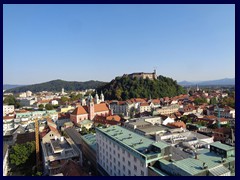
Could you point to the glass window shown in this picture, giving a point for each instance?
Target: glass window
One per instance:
(142, 173)
(123, 159)
(135, 168)
(129, 163)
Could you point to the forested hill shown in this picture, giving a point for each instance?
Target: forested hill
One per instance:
(57, 85)
(122, 88)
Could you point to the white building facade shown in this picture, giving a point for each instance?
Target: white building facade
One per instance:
(117, 155)
(7, 109)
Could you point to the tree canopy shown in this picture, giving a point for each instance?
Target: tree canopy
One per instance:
(57, 85)
(20, 153)
(122, 88)
(11, 100)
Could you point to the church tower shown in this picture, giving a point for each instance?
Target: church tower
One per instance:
(102, 97)
(62, 90)
(91, 108)
(83, 102)
(96, 99)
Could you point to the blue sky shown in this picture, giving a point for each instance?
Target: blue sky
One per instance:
(99, 42)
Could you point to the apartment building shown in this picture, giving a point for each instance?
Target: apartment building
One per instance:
(8, 109)
(121, 152)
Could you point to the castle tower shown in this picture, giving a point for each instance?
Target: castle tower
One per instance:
(102, 97)
(154, 74)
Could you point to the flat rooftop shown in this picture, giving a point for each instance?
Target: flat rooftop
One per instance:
(60, 145)
(222, 146)
(90, 139)
(194, 166)
(132, 140)
(153, 129)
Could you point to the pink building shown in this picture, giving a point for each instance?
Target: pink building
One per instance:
(89, 112)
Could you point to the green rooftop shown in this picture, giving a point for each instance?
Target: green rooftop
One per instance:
(222, 146)
(194, 166)
(86, 121)
(158, 171)
(90, 139)
(134, 141)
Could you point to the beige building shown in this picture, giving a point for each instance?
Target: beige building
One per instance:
(144, 75)
(8, 109)
(168, 109)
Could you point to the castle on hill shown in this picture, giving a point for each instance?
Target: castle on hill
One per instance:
(143, 75)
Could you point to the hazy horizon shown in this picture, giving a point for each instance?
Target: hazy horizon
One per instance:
(112, 79)
(99, 42)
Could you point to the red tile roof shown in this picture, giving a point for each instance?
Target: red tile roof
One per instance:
(100, 107)
(84, 109)
(103, 120)
(8, 117)
(71, 168)
(79, 110)
(177, 124)
(114, 118)
(144, 104)
(63, 115)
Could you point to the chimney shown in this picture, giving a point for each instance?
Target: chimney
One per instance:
(196, 156)
(56, 138)
(62, 138)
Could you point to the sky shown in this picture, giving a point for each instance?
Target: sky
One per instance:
(99, 42)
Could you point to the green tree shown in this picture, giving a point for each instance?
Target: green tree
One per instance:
(11, 100)
(229, 101)
(213, 100)
(64, 99)
(49, 107)
(20, 153)
(200, 101)
(41, 106)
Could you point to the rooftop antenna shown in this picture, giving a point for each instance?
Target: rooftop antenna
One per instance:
(219, 124)
(155, 71)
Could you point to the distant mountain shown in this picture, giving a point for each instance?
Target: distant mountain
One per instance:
(186, 83)
(225, 81)
(10, 86)
(57, 85)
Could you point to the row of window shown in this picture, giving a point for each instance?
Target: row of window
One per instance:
(115, 172)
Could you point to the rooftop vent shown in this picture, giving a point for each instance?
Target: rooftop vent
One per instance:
(205, 166)
(223, 160)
